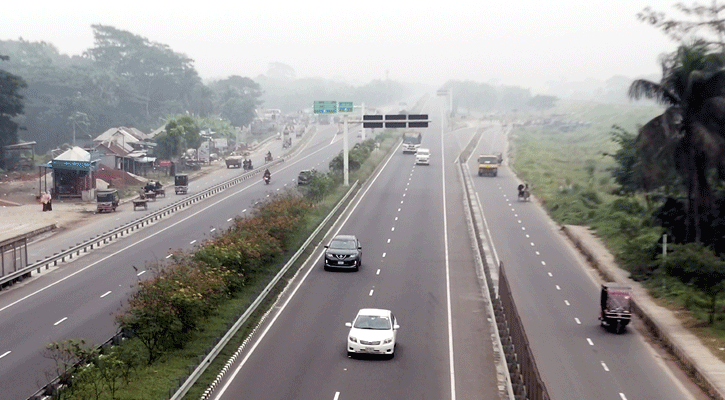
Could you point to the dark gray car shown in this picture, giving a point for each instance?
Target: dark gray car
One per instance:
(344, 252)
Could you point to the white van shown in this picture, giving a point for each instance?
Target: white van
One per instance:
(422, 156)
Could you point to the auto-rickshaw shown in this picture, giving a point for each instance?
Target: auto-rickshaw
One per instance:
(181, 183)
(107, 200)
(616, 306)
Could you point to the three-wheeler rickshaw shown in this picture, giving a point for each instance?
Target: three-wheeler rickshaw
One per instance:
(616, 306)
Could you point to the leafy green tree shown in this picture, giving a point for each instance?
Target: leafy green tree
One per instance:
(236, 99)
(694, 128)
(11, 105)
(699, 266)
(697, 18)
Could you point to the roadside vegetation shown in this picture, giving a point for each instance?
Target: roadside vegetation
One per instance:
(176, 316)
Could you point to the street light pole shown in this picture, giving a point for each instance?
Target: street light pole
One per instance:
(345, 173)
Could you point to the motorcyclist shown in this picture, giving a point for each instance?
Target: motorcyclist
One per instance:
(269, 155)
(267, 174)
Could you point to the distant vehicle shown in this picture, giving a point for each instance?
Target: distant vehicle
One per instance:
(305, 177)
(234, 161)
(411, 141)
(373, 331)
(343, 251)
(107, 200)
(488, 165)
(181, 183)
(422, 156)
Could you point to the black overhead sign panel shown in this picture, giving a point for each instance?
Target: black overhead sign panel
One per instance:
(396, 121)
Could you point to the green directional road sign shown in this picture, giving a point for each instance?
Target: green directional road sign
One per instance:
(344, 107)
(325, 107)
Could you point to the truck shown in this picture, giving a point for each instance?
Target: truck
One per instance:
(488, 165)
(411, 141)
(234, 161)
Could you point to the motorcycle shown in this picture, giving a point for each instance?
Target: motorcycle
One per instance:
(268, 158)
(267, 179)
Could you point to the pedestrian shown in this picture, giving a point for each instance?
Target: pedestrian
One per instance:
(45, 200)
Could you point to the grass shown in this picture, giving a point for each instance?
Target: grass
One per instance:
(562, 166)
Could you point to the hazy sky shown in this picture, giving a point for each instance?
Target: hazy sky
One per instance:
(518, 42)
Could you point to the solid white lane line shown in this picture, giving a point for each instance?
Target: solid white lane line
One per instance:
(337, 396)
(105, 294)
(449, 309)
(383, 255)
(577, 321)
(141, 273)
(590, 342)
(567, 302)
(59, 321)
(193, 241)
(371, 292)
(604, 366)
(169, 256)
(378, 272)
(5, 353)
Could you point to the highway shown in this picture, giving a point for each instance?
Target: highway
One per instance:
(417, 262)
(557, 299)
(79, 299)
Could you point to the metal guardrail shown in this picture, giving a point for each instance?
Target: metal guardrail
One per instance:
(523, 374)
(199, 370)
(121, 231)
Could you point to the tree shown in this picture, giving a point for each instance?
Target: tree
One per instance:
(236, 99)
(11, 105)
(542, 102)
(707, 18)
(699, 266)
(692, 129)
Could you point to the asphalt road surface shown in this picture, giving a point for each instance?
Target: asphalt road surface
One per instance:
(417, 262)
(557, 299)
(79, 299)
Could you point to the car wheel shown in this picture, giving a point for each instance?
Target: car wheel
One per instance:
(349, 354)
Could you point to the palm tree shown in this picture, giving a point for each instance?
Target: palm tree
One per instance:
(691, 132)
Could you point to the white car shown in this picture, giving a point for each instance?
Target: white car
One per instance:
(422, 156)
(373, 331)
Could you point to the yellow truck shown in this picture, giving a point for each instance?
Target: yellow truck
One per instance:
(488, 165)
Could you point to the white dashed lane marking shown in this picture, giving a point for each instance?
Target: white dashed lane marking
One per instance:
(193, 241)
(5, 353)
(543, 263)
(384, 255)
(371, 292)
(105, 294)
(230, 219)
(622, 396)
(212, 229)
(388, 240)
(604, 366)
(567, 302)
(550, 274)
(141, 273)
(590, 342)
(378, 272)
(60, 321)
(577, 321)
(557, 287)
(169, 256)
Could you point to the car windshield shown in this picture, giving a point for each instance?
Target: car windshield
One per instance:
(346, 244)
(487, 160)
(372, 322)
